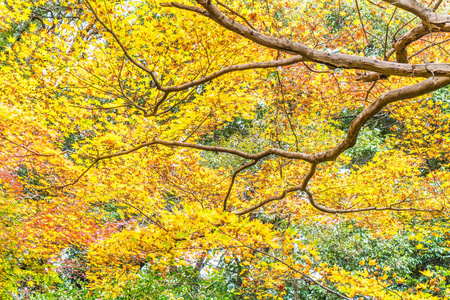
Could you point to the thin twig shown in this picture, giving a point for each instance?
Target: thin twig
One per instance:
(362, 23)
(237, 14)
(386, 35)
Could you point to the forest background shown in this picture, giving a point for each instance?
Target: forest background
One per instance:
(229, 149)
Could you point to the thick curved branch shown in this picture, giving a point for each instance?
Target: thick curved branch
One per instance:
(422, 88)
(400, 46)
(157, 105)
(432, 22)
(408, 92)
(39, 18)
(412, 6)
(427, 15)
(331, 59)
(258, 65)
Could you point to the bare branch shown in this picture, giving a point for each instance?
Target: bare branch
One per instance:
(314, 70)
(357, 210)
(259, 65)
(408, 92)
(257, 156)
(400, 48)
(387, 33)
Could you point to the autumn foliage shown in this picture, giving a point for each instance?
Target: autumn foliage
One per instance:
(299, 149)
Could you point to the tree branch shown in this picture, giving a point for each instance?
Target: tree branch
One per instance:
(257, 156)
(247, 165)
(301, 187)
(408, 92)
(427, 86)
(243, 67)
(336, 60)
(427, 15)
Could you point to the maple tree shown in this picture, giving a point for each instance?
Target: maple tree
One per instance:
(265, 142)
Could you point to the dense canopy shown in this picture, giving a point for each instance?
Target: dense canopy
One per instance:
(233, 149)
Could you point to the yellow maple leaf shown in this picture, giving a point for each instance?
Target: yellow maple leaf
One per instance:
(427, 273)
(421, 286)
(11, 39)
